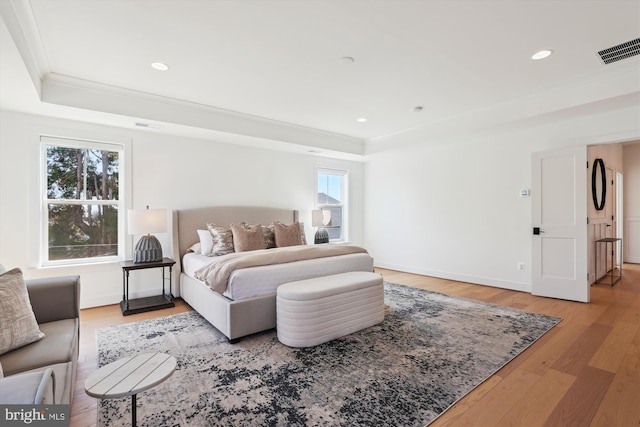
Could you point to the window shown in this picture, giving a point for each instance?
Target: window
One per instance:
(332, 195)
(82, 202)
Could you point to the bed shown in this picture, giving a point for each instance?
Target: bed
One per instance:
(248, 304)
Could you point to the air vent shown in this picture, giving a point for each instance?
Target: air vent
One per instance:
(620, 52)
(148, 125)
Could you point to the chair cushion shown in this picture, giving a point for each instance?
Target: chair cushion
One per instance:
(59, 346)
(19, 326)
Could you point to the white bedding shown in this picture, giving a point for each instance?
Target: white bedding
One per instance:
(264, 280)
(191, 262)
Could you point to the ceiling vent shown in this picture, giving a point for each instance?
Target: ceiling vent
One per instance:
(620, 52)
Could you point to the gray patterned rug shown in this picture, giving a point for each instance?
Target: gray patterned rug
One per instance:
(429, 352)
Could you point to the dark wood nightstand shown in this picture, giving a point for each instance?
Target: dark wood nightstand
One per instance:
(140, 305)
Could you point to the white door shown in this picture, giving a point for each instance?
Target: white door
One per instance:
(559, 201)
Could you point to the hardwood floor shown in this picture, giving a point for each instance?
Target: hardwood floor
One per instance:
(584, 372)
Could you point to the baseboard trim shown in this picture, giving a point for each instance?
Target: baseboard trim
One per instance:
(496, 283)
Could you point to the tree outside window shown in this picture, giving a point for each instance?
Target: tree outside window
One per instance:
(82, 200)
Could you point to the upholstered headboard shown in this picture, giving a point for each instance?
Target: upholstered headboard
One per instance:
(187, 221)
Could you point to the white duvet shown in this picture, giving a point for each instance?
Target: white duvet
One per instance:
(261, 276)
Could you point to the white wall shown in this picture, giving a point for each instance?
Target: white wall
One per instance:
(167, 172)
(447, 208)
(631, 208)
(451, 208)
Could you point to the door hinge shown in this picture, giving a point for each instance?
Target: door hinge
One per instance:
(587, 164)
(587, 220)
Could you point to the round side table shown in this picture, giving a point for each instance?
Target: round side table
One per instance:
(130, 376)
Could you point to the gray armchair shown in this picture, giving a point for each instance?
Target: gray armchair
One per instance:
(44, 372)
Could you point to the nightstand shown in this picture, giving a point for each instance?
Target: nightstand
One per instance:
(140, 305)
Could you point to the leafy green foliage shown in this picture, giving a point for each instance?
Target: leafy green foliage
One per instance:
(80, 224)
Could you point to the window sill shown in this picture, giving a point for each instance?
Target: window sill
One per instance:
(78, 264)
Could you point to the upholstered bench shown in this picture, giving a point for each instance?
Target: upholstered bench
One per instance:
(314, 311)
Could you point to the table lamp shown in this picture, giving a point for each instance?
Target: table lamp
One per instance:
(321, 218)
(145, 222)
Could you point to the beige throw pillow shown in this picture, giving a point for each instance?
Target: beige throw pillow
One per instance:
(247, 238)
(19, 326)
(267, 232)
(287, 235)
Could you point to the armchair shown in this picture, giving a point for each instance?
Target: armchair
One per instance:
(44, 371)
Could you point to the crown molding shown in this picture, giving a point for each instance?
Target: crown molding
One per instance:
(217, 123)
(72, 92)
(19, 19)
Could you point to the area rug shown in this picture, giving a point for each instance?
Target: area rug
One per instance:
(429, 352)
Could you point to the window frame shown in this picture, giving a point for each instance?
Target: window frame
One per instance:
(78, 143)
(344, 186)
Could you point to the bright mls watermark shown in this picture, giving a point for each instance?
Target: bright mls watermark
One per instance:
(34, 415)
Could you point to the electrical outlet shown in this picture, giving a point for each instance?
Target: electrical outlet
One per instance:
(521, 266)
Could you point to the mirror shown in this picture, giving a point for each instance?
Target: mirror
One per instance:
(598, 184)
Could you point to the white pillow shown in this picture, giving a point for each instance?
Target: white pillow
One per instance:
(195, 249)
(206, 242)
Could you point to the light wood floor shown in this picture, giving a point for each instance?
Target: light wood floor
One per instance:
(584, 372)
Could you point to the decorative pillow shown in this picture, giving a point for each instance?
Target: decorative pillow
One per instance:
(247, 238)
(268, 233)
(19, 326)
(222, 240)
(287, 235)
(269, 236)
(206, 242)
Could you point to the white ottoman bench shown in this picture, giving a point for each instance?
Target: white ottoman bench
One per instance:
(314, 311)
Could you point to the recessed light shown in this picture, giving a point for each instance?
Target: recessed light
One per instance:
(160, 66)
(541, 54)
(347, 60)
(417, 109)
(361, 119)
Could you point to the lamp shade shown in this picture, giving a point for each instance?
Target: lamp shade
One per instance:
(326, 217)
(147, 221)
(316, 218)
(321, 218)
